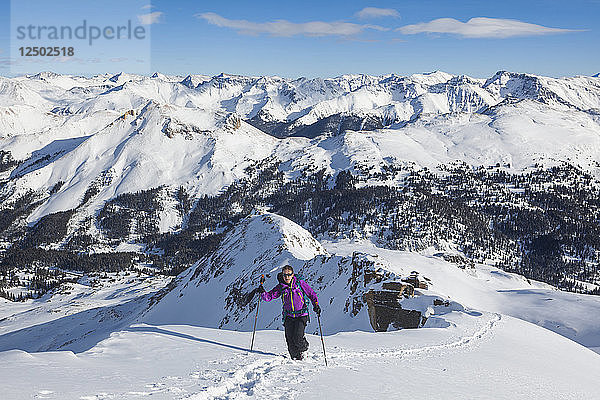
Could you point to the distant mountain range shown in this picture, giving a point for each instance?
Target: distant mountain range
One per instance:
(123, 162)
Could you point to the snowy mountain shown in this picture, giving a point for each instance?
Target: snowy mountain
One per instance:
(216, 291)
(137, 215)
(514, 119)
(127, 163)
(488, 333)
(52, 124)
(262, 244)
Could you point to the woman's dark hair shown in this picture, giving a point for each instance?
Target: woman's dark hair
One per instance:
(288, 267)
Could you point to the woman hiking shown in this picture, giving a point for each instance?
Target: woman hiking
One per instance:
(295, 308)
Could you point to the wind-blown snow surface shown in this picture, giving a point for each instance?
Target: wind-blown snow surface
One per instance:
(78, 315)
(488, 356)
(134, 133)
(485, 344)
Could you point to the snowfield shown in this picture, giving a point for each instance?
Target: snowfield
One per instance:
(481, 356)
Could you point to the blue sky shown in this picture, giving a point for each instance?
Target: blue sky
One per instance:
(324, 38)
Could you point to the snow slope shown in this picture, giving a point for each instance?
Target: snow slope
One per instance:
(488, 288)
(485, 357)
(76, 316)
(501, 336)
(149, 131)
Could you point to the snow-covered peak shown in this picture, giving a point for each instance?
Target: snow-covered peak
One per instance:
(122, 77)
(273, 237)
(258, 245)
(18, 92)
(192, 81)
(432, 78)
(166, 78)
(574, 92)
(44, 75)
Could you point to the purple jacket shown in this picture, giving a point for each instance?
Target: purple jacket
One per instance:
(293, 298)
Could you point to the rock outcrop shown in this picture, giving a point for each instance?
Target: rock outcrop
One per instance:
(385, 309)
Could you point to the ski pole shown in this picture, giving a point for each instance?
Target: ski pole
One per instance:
(322, 342)
(262, 280)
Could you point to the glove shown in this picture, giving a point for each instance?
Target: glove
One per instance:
(261, 289)
(317, 309)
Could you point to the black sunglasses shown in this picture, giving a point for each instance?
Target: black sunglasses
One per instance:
(288, 274)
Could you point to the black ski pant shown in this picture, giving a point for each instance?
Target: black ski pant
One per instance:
(294, 335)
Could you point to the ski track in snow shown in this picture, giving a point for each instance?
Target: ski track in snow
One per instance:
(275, 376)
(243, 375)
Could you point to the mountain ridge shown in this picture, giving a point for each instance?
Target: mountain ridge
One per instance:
(349, 103)
(121, 161)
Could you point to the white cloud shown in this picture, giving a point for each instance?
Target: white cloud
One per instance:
(150, 18)
(481, 27)
(374, 12)
(147, 7)
(286, 28)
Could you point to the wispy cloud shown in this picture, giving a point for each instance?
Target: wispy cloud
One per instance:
(481, 27)
(150, 18)
(7, 61)
(374, 12)
(147, 7)
(286, 28)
